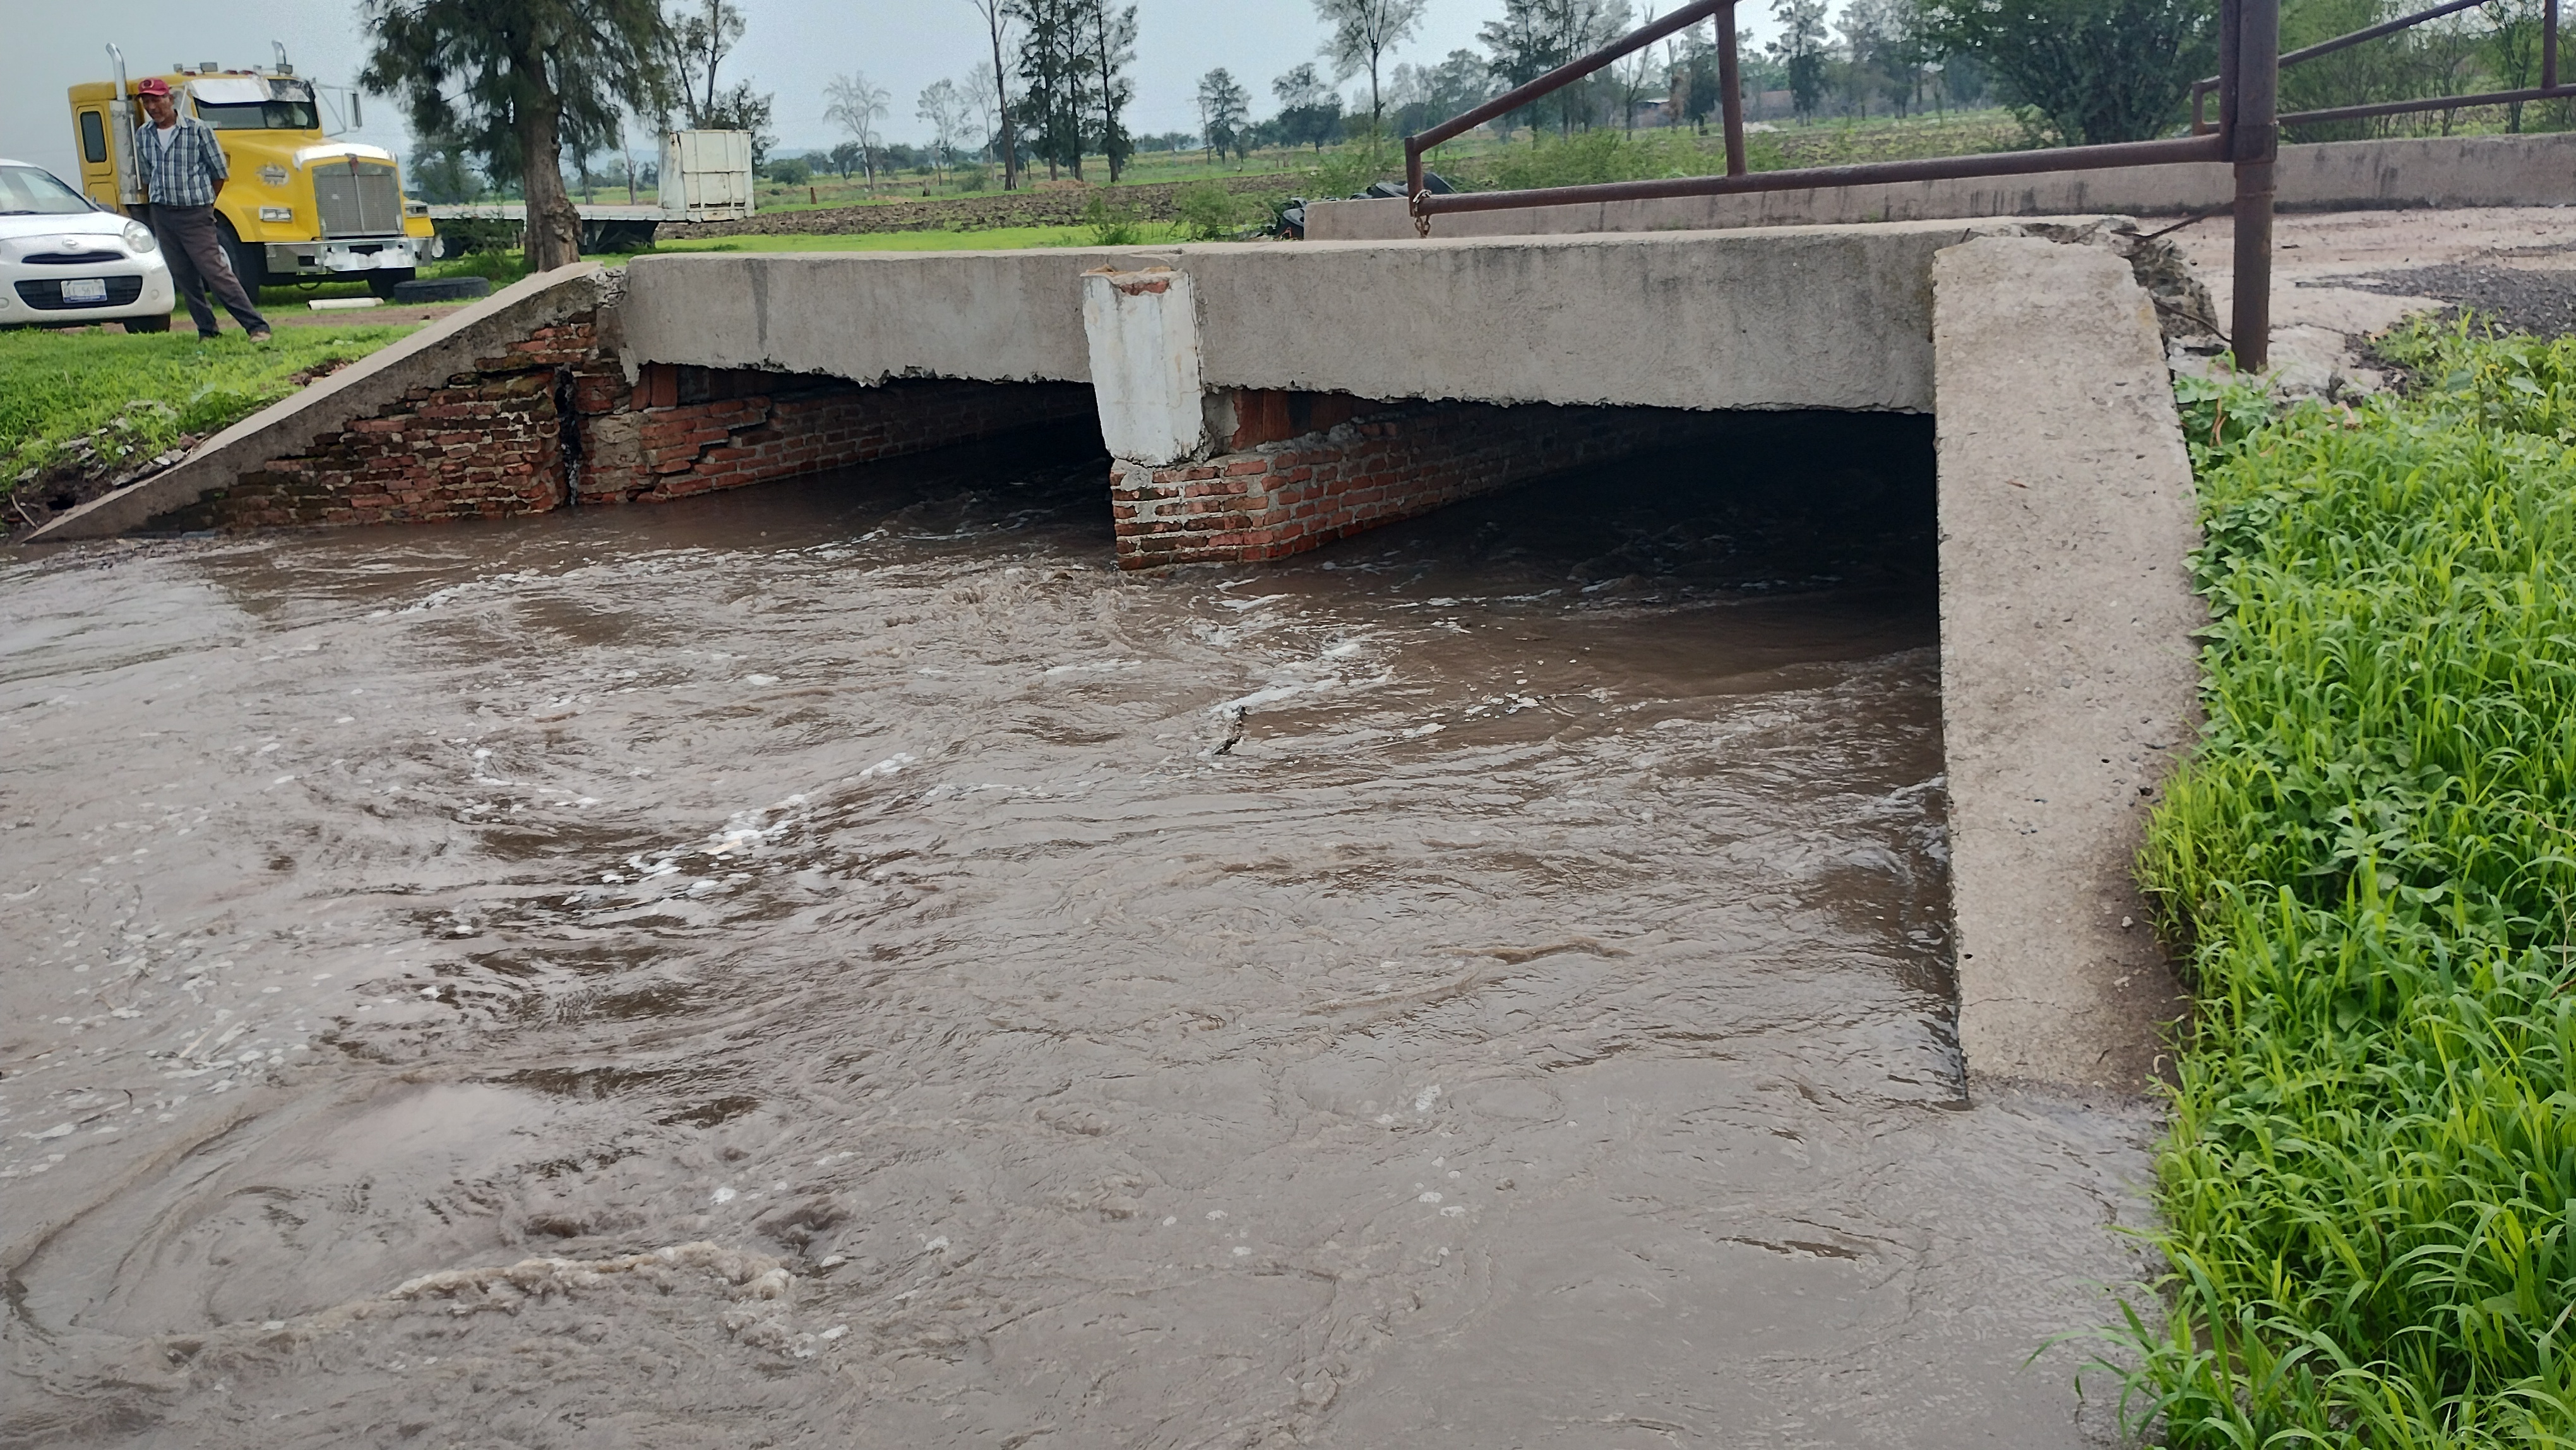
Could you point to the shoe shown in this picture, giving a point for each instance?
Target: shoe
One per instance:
(206, 336)
(260, 336)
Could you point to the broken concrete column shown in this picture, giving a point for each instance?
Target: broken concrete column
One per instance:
(1143, 329)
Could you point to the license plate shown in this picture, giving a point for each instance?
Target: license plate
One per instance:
(85, 289)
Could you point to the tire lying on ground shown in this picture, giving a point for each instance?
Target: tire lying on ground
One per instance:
(442, 289)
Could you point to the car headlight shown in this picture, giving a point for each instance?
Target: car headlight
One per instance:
(277, 213)
(139, 238)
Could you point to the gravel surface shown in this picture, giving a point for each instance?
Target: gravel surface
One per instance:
(2525, 300)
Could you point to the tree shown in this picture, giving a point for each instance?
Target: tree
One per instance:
(853, 104)
(1424, 96)
(697, 39)
(1055, 69)
(997, 19)
(739, 108)
(1637, 77)
(949, 113)
(1310, 112)
(2087, 71)
(845, 158)
(515, 81)
(1225, 109)
(1801, 51)
(1363, 32)
(440, 172)
(2515, 46)
(1536, 36)
(1112, 49)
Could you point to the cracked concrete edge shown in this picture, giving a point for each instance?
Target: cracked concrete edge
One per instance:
(427, 358)
(2069, 669)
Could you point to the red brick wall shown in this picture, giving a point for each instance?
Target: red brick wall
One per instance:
(494, 441)
(686, 431)
(1284, 497)
(486, 444)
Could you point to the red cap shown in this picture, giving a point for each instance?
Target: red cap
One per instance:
(153, 86)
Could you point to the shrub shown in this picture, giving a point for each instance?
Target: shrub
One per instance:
(1110, 226)
(1208, 211)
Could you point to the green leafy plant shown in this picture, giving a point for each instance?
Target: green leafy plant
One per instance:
(1110, 226)
(1207, 211)
(2369, 1190)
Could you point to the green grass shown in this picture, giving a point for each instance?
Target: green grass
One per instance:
(138, 394)
(2369, 1192)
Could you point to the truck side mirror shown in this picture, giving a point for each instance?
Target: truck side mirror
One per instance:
(357, 112)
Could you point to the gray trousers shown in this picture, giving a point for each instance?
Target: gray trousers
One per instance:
(194, 249)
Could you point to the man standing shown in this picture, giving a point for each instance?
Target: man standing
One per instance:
(183, 171)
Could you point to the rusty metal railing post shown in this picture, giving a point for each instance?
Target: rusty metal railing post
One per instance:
(2254, 143)
(1730, 91)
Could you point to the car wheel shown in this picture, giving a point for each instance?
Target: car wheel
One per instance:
(385, 283)
(148, 324)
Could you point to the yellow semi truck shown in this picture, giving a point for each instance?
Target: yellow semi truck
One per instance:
(300, 206)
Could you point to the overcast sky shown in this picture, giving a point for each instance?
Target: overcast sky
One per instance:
(792, 48)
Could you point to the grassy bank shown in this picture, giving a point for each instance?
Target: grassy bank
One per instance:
(114, 398)
(2370, 1190)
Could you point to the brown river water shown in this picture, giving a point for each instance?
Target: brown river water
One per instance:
(806, 967)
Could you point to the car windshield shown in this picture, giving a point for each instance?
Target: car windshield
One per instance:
(261, 116)
(28, 191)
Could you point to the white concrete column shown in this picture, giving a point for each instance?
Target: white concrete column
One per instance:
(1143, 328)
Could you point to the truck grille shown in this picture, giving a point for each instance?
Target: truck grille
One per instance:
(46, 295)
(358, 199)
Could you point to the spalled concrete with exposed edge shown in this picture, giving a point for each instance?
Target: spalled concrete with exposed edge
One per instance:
(2068, 674)
(2421, 171)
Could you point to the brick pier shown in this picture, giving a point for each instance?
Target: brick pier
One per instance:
(1304, 469)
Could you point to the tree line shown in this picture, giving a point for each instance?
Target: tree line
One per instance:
(512, 86)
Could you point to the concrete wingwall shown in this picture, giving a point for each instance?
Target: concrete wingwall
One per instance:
(2433, 171)
(2069, 675)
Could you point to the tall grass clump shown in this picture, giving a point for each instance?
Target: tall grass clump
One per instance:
(2369, 1193)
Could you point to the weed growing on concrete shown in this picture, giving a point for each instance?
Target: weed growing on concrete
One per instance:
(2369, 1194)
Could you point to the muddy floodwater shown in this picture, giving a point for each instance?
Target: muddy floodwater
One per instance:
(839, 964)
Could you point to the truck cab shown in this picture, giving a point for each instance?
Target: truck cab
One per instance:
(299, 206)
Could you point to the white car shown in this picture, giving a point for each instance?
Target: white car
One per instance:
(67, 262)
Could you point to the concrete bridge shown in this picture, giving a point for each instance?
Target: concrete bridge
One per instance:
(1261, 400)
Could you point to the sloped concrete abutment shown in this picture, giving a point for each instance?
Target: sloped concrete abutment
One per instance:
(1261, 400)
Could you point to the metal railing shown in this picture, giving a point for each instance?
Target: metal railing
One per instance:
(2247, 135)
(2548, 89)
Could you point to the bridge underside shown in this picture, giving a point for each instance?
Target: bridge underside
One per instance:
(1256, 401)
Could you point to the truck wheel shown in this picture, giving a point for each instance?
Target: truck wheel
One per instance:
(148, 324)
(250, 264)
(383, 283)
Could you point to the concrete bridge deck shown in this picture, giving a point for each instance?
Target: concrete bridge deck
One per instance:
(1260, 400)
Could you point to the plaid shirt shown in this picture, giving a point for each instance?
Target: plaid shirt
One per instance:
(194, 163)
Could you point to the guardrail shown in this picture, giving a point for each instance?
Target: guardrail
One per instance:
(2247, 135)
(2548, 89)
